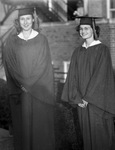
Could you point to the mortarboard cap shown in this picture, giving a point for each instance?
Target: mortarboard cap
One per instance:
(25, 11)
(86, 20)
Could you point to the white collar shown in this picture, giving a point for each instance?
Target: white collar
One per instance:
(95, 42)
(33, 34)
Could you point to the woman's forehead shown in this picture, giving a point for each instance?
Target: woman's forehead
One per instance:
(83, 26)
(26, 16)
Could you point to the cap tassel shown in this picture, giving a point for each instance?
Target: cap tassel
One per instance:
(93, 24)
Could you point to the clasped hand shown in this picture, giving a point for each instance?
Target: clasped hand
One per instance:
(84, 104)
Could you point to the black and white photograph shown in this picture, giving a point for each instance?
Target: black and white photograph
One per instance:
(57, 74)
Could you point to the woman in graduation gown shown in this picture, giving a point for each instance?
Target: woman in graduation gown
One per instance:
(90, 87)
(29, 73)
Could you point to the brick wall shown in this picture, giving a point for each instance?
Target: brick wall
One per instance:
(62, 38)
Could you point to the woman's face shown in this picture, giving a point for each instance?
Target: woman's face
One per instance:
(86, 32)
(26, 22)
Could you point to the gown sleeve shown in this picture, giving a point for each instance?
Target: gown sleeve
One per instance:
(101, 88)
(38, 67)
(13, 84)
(34, 72)
(71, 91)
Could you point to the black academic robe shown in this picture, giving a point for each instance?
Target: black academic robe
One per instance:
(28, 65)
(90, 77)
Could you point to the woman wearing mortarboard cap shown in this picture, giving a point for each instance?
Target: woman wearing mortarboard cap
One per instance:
(90, 88)
(29, 73)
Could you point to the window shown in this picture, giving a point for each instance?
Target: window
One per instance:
(111, 9)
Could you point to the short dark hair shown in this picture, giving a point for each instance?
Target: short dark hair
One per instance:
(97, 30)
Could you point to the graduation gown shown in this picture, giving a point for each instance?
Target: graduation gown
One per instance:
(90, 77)
(28, 65)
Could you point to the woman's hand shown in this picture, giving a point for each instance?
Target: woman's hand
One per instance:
(84, 104)
(23, 89)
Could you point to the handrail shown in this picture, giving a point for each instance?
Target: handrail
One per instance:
(6, 33)
(7, 15)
